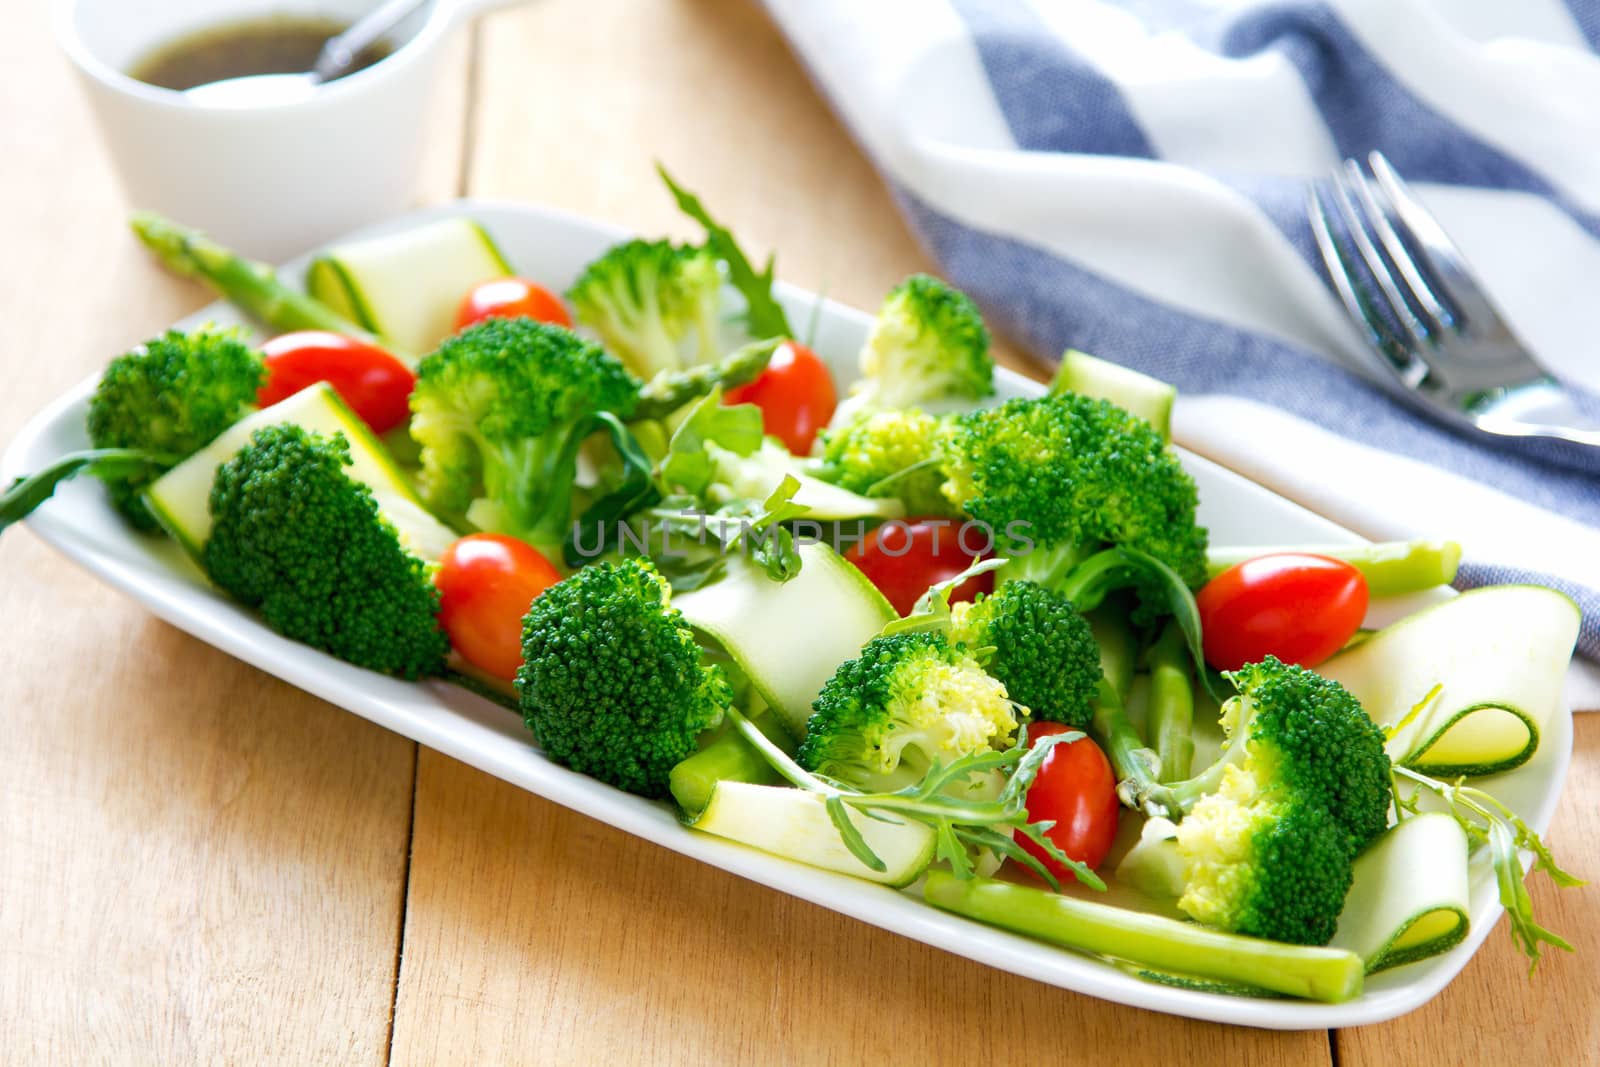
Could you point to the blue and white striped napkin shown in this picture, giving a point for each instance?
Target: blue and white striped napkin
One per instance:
(1128, 177)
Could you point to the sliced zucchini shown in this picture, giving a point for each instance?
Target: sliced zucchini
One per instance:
(1149, 398)
(181, 498)
(794, 823)
(405, 287)
(1497, 657)
(1409, 900)
(789, 637)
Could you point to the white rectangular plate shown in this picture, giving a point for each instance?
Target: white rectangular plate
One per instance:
(552, 248)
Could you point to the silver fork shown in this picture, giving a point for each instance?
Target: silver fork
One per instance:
(1436, 336)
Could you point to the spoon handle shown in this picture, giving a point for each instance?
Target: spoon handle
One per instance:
(341, 51)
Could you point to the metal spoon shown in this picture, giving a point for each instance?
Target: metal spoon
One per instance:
(336, 58)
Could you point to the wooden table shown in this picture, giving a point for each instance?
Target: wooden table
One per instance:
(199, 863)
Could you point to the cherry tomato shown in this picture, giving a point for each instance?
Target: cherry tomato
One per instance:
(508, 298)
(1076, 790)
(375, 384)
(486, 582)
(795, 394)
(1300, 608)
(904, 558)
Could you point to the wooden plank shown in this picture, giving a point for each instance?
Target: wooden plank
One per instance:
(198, 863)
(1494, 1008)
(535, 935)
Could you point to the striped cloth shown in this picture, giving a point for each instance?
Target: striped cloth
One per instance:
(1128, 177)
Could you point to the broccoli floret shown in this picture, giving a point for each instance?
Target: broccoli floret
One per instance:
(298, 539)
(1079, 475)
(1270, 832)
(928, 345)
(908, 700)
(645, 298)
(499, 412)
(888, 454)
(612, 683)
(1038, 646)
(171, 396)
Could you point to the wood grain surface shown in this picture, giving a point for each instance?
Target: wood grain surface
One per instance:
(200, 864)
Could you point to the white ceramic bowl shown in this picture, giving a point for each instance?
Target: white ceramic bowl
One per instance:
(268, 180)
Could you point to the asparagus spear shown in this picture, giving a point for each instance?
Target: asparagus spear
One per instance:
(251, 287)
(1327, 974)
(1390, 567)
(1171, 722)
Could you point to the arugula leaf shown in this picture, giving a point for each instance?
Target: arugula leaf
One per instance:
(25, 494)
(765, 316)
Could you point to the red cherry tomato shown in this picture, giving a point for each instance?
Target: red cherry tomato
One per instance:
(795, 394)
(1300, 608)
(508, 298)
(904, 558)
(1076, 790)
(375, 384)
(486, 582)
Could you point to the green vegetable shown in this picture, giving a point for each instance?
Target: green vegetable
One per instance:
(295, 537)
(612, 683)
(648, 300)
(111, 464)
(251, 287)
(1171, 705)
(888, 454)
(771, 629)
(671, 390)
(1467, 685)
(727, 757)
(1490, 824)
(1392, 568)
(1148, 398)
(1038, 646)
(1325, 974)
(1064, 477)
(1269, 833)
(180, 498)
(907, 702)
(928, 345)
(1409, 899)
(407, 287)
(171, 396)
(764, 315)
(500, 411)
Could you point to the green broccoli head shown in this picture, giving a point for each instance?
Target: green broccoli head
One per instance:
(645, 298)
(928, 344)
(612, 683)
(1043, 651)
(1320, 741)
(298, 539)
(499, 411)
(889, 454)
(1259, 860)
(1082, 474)
(909, 699)
(1303, 786)
(171, 396)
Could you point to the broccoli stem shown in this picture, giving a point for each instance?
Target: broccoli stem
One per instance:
(1171, 722)
(728, 758)
(1325, 974)
(1392, 568)
(1118, 647)
(250, 286)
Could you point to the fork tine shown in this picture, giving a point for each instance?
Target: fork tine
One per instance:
(1434, 312)
(1393, 299)
(1400, 362)
(1439, 254)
